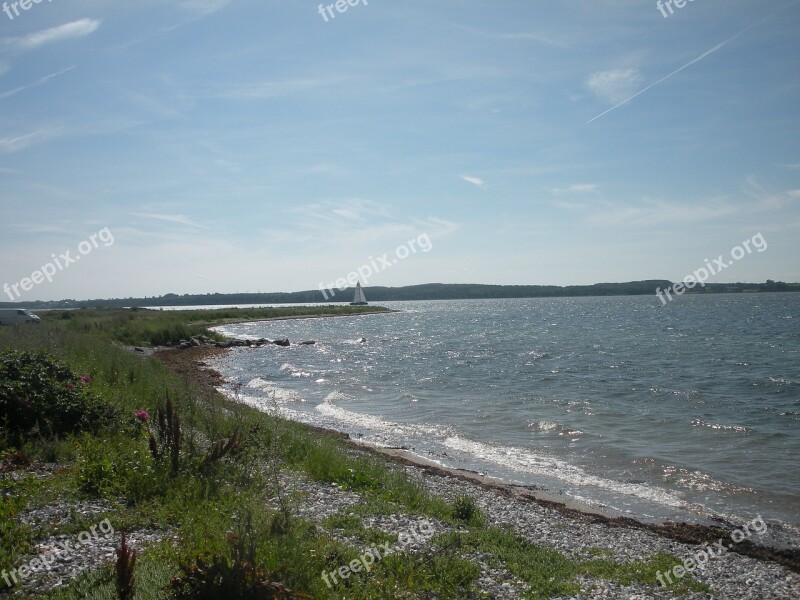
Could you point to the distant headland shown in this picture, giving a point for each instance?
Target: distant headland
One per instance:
(427, 291)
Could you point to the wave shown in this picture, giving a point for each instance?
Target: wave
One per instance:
(378, 424)
(528, 462)
(719, 427)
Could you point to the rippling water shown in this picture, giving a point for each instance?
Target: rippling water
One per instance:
(681, 412)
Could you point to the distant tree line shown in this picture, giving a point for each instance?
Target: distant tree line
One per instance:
(428, 291)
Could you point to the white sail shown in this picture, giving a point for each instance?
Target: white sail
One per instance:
(358, 297)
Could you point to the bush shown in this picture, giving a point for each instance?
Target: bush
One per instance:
(465, 510)
(40, 396)
(115, 467)
(234, 575)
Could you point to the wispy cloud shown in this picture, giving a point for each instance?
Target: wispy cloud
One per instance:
(38, 82)
(656, 212)
(791, 166)
(521, 36)
(204, 7)
(615, 85)
(476, 181)
(179, 219)
(767, 199)
(705, 54)
(39, 228)
(577, 188)
(276, 89)
(341, 214)
(14, 144)
(67, 31)
(152, 105)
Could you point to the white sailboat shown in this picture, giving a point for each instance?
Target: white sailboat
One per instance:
(358, 297)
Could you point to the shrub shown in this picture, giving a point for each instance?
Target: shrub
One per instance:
(464, 509)
(40, 396)
(115, 466)
(235, 575)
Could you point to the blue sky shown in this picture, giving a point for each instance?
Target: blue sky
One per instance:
(251, 145)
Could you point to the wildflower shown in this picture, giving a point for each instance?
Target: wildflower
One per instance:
(70, 385)
(85, 378)
(142, 415)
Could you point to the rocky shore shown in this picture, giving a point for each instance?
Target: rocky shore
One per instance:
(745, 570)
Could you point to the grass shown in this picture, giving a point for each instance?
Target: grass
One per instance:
(144, 327)
(213, 513)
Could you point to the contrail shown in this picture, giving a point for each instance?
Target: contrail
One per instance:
(675, 72)
(40, 81)
(698, 59)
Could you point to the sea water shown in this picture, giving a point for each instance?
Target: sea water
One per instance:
(688, 411)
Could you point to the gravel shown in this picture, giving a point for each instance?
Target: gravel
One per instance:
(579, 537)
(59, 558)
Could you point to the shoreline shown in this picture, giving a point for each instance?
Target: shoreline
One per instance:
(384, 311)
(192, 364)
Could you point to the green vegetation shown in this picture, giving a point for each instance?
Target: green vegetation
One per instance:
(166, 456)
(138, 327)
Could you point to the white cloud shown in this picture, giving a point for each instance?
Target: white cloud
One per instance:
(275, 89)
(180, 219)
(767, 199)
(793, 167)
(204, 7)
(67, 31)
(577, 188)
(349, 214)
(709, 52)
(476, 181)
(615, 85)
(655, 212)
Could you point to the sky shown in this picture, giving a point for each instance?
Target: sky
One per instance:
(201, 146)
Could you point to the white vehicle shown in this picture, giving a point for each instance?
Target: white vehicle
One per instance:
(12, 316)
